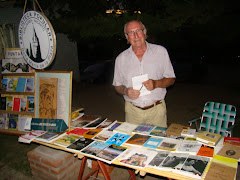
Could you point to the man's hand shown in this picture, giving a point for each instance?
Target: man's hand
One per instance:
(132, 93)
(149, 84)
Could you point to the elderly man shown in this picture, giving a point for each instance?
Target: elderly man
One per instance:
(143, 58)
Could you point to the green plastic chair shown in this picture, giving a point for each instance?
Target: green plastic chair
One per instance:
(217, 118)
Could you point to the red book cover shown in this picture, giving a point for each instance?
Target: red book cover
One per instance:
(16, 104)
(206, 150)
(232, 140)
(78, 131)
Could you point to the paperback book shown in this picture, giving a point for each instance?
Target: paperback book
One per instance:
(191, 147)
(114, 126)
(194, 166)
(4, 84)
(16, 104)
(47, 137)
(23, 104)
(78, 131)
(3, 103)
(125, 127)
(230, 151)
(209, 138)
(80, 123)
(94, 124)
(9, 104)
(137, 140)
(12, 84)
(206, 150)
(65, 139)
(137, 157)
(30, 104)
(232, 140)
(29, 137)
(29, 85)
(144, 128)
(21, 84)
(174, 130)
(118, 139)
(104, 135)
(158, 159)
(105, 124)
(91, 133)
(3, 121)
(159, 131)
(152, 142)
(94, 148)
(110, 153)
(22, 122)
(169, 144)
(13, 122)
(81, 143)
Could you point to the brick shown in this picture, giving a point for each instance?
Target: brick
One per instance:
(51, 163)
(42, 167)
(33, 156)
(31, 161)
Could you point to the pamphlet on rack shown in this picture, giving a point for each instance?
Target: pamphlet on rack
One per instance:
(137, 84)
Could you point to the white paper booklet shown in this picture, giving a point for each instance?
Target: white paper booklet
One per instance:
(27, 138)
(137, 84)
(126, 128)
(191, 147)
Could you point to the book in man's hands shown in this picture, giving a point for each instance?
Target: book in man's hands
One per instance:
(209, 138)
(125, 127)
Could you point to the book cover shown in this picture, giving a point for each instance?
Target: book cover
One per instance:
(110, 153)
(105, 124)
(125, 127)
(152, 142)
(80, 123)
(94, 124)
(94, 148)
(114, 126)
(209, 137)
(191, 147)
(158, 159)
(91, 133)
(29, 137)
(144, 128)
(21, 84)
(230, 151)
(104, 135)
(174, 161)
(30, 104)
(23, 105)
(194, 166)
(65, 140)
(159, 131)
(78, 131)
(16, 104)
(232, 140)
(3, 103)
(118, 139)
(206, 150)
(4, 84)
(29, 85)
(3, 121)
(137, 157)
(22, 122)
(174, 129)
(80, 144)
(9, 104)
(13, 121)
(188, 132)
(137, 139)
(47, 137)
(169, 144)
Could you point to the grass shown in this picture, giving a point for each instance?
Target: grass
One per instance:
(14, 154)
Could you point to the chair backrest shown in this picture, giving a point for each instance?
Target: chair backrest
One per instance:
(217, 117)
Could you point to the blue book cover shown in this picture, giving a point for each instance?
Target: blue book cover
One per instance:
(29, 85)
(4, 84)
(30, 104)
(118, 139)
(21, 84)
(152, 143)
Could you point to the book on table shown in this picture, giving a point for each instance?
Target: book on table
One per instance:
(209, 138)
(159, 131)
(91, 133)
(137, 157)
(206, 150)
(78, 131)
(188, 132)
(169, 144)
(29, 137)
(114, 125)
(158, 159)
(65, 139)
(94, 148)
(194, 166)
(104, 135)
(137, 139)
(105, 124)
(118, 139)
(81, 143)
(47, 137)
(230, 151)
(94, 124)
(143, 128)
(174, 130)
(232, 140)
(152, 142)
(125, 127)
(191, 147)
(110, 153)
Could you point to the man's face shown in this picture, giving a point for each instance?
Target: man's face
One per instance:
(135, 34)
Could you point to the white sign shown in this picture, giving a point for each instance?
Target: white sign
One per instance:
(37, 40)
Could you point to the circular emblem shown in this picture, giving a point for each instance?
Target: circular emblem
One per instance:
(37, 40)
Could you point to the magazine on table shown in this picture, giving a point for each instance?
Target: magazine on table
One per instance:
(137, 140)
(94, 148)
(114, 125)
(144, 128)
(126, 128)
(191, 147)
(91, 133)
(104, 135)
(94, 124)
(105, 124)
(65, 139)
(118, 139)
(152, 142)
(158, 159)
(81, 143)
(47, 137)
(169, 144)
(78, 131)
(137, 157)
(110, 153)
(29, 137)
(159, 131)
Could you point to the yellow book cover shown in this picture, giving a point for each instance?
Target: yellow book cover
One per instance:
(91, 133)
(209, 138)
